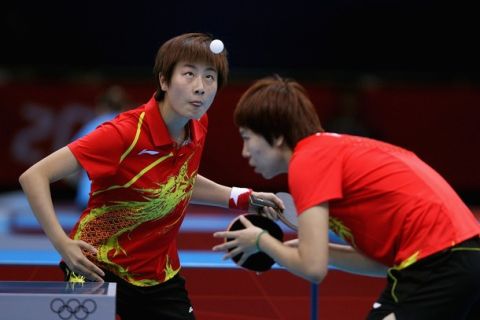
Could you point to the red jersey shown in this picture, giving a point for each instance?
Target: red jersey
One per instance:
(383, 200)
(141, 185)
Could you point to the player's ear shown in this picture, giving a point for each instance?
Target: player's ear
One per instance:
(163, 82)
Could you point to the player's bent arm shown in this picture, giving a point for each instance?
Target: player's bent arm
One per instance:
(346, 258)
(310, 259)
(36, 182)
(36, 185)
(206, 191)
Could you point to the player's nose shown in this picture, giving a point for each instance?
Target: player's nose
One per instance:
(199, 87)
(245, 152)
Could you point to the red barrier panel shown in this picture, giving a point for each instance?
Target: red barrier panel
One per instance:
(39, 118)
(439, 123)
(234, 294)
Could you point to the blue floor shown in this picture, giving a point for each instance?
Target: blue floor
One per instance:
(22, 241)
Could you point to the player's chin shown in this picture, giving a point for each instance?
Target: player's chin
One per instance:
(265, 173)
(197, 115)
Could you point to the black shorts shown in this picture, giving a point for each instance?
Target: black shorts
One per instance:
(445, 285)
(168, 300)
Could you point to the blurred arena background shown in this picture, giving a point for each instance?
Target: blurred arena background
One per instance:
(403, 71)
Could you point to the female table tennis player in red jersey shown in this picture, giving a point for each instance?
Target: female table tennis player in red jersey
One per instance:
(143, 166)
(401, 219)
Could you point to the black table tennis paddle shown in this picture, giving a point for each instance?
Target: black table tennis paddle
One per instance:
(259, 261)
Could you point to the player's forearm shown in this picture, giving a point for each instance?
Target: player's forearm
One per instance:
(310, 267)
(347, 259)
(206, 191)
(37, 189)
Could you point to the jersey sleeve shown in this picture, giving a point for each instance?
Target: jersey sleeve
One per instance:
(99, 152)
(315, 177)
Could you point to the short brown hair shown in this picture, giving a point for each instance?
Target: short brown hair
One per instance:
(274, 107)
(190, 47)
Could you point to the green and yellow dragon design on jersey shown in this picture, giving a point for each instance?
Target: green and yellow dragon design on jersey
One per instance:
(123, 217)
(337, 226)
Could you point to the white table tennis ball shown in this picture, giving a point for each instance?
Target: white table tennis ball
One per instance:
(216, 46)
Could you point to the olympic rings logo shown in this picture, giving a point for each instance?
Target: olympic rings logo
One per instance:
(73, 308)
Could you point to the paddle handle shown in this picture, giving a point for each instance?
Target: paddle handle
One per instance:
(259, 203)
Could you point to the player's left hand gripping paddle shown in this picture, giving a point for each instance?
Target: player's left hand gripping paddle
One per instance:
(259, 261)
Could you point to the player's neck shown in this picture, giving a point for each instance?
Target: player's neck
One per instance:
(180, 137)
(286, 155)
(177, 126)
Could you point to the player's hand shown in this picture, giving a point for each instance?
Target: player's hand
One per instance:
(242, 241)
(269, 212)
(72, 253)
